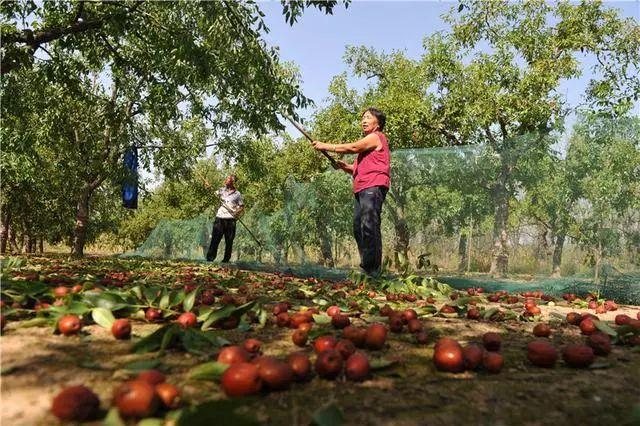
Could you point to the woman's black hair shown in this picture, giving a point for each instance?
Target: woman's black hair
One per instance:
(382, 119)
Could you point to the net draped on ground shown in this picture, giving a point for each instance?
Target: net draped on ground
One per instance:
(308, 229)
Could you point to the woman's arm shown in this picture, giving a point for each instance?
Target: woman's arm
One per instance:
(347, 168)
(368, 143)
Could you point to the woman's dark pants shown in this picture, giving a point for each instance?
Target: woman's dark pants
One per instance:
(366, 227)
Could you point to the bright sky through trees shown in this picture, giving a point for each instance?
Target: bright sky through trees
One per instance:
(317, 45)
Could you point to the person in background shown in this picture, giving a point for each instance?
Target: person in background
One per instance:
(371, 178)
(225, 222)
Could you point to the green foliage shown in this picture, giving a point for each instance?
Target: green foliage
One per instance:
(172, 336)
(603, 161)
(82, 81)
(221, 412)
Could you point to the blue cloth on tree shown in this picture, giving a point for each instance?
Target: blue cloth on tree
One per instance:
(130, 182)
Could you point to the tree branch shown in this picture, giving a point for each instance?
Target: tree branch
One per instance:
(539, 219)
(488, 26)
(34, 39)
(451, 137)
(112, 49)
(490, 136)
(96, 183)
(503, 127)
(80, 11)
(379, 75)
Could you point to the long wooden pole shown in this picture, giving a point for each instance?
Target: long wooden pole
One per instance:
(308, 136)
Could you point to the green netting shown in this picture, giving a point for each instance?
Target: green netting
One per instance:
(438, 198)
(623, 288)
(177, 239)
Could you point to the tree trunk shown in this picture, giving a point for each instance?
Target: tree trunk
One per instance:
(302, 254)
(462, 251)
(276, 254)
(327, 255)
(402, 240)
(401, 228)
(500, 254)
(469, 244)
(557, 255)
(82, 209)
(13, 245)
(515, 240)
(325, 244)
(41, 245)
(541, 247)
(4, 231)
(598, 261)
(82, 221)
(32, 244)
(25, 243)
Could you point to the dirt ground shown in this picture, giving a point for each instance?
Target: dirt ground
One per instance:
(36, 364)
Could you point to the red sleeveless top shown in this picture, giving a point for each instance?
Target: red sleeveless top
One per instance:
(372, 168)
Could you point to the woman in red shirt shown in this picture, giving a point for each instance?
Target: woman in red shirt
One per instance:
(370, 171)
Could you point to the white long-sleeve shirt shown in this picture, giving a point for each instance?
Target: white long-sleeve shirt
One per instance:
(232, 199)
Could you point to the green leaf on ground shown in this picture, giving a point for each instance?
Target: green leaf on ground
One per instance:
(107, 300)
(219, 413)
(151, 422)
(330, 415)
(103, 317)
(190, 299)
(625, 329)
(113, 418)
(33, 322)
(169, 337)
(164, 299)
(314, 333)
(605, 328)
(75, 308)
(489, 312)
(321, 319)
(153, 341)
(227, 311)
(198, 342)
(208, 371)
(381, 363)
(142, 365)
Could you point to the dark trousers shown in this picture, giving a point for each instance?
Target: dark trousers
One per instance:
(226, 228)
(366, 227)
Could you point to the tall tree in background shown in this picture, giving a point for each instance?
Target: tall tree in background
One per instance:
(550, 202)
(604, 161)
(497, 75)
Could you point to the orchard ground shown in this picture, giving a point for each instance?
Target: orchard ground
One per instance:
(404, 388)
